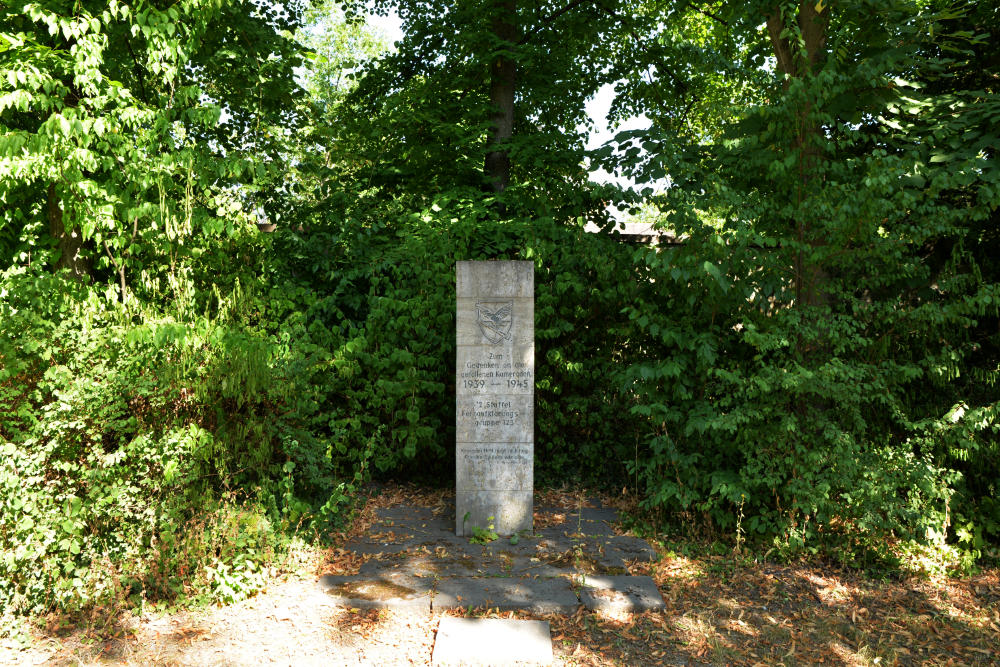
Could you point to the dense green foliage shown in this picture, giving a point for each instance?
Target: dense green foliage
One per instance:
(128, 127)
(159, 432)
(122, 426)
(830, 330)
(394, 289)
(816, 358)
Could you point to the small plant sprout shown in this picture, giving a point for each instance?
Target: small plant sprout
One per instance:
(740, 535)
(482, 535)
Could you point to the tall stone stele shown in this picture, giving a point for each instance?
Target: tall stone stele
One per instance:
(494, 396)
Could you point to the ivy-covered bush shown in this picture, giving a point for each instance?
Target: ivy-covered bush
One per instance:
(394, 283)
(833, 450)
(823, 349)
(680, 372)
(149, 453)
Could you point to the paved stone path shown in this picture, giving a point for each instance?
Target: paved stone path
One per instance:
(415, 561)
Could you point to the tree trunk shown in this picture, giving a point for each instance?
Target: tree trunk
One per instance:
(797, 61)
(503, 76)
(68, 243)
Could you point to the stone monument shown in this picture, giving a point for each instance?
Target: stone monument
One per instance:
(494, 396)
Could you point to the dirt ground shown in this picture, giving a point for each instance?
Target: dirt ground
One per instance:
(719, 611)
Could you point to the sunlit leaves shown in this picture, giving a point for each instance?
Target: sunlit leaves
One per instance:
(856, 202)
(110, 108)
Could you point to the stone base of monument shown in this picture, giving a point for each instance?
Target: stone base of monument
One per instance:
(414, 561)
(492, 641)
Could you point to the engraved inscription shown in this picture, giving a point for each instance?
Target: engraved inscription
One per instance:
(499, 453)
(495, 373)
(491, 414)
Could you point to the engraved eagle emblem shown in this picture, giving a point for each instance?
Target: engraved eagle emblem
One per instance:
(495, 319)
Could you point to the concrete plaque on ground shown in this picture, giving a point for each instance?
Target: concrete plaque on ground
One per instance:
(491, 641)
(620, 593)
(494, 396)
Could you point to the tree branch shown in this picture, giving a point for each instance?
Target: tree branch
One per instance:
(119, 267)
(705, 12)
(782, 49)
(138, 69)
(680, 85)
(549, 19)
(812, 27)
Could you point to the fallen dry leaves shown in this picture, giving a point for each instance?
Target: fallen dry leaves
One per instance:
(718, 611)
(811, 615)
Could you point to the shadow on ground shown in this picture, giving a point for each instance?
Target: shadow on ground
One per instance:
(716, 611)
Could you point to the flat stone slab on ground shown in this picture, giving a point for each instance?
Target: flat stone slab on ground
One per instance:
(589, 554)
(479, 641)
(526, 566)
(554, 544)
(419, 520)
(428, 565)
(413, 560)
(620, 594)
(631, 548)
(599, 513)
(526, 546)
(544, 596)
(361, 592)
(371, 546)
(456, 564)
(582, 521)
(405, 514)
(374, 548)
(594, 521)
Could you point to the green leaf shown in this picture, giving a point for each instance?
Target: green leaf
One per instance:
(713, 271)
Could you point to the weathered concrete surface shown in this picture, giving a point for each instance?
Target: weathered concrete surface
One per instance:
(468, 333)
(505, 510)
(363, 592)
(428, 565)
(620, 594)
(632, 548)
(492, 641)
(515, 424)
(413, 559)
(494, 396)
(543, 596)
(508, 279)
